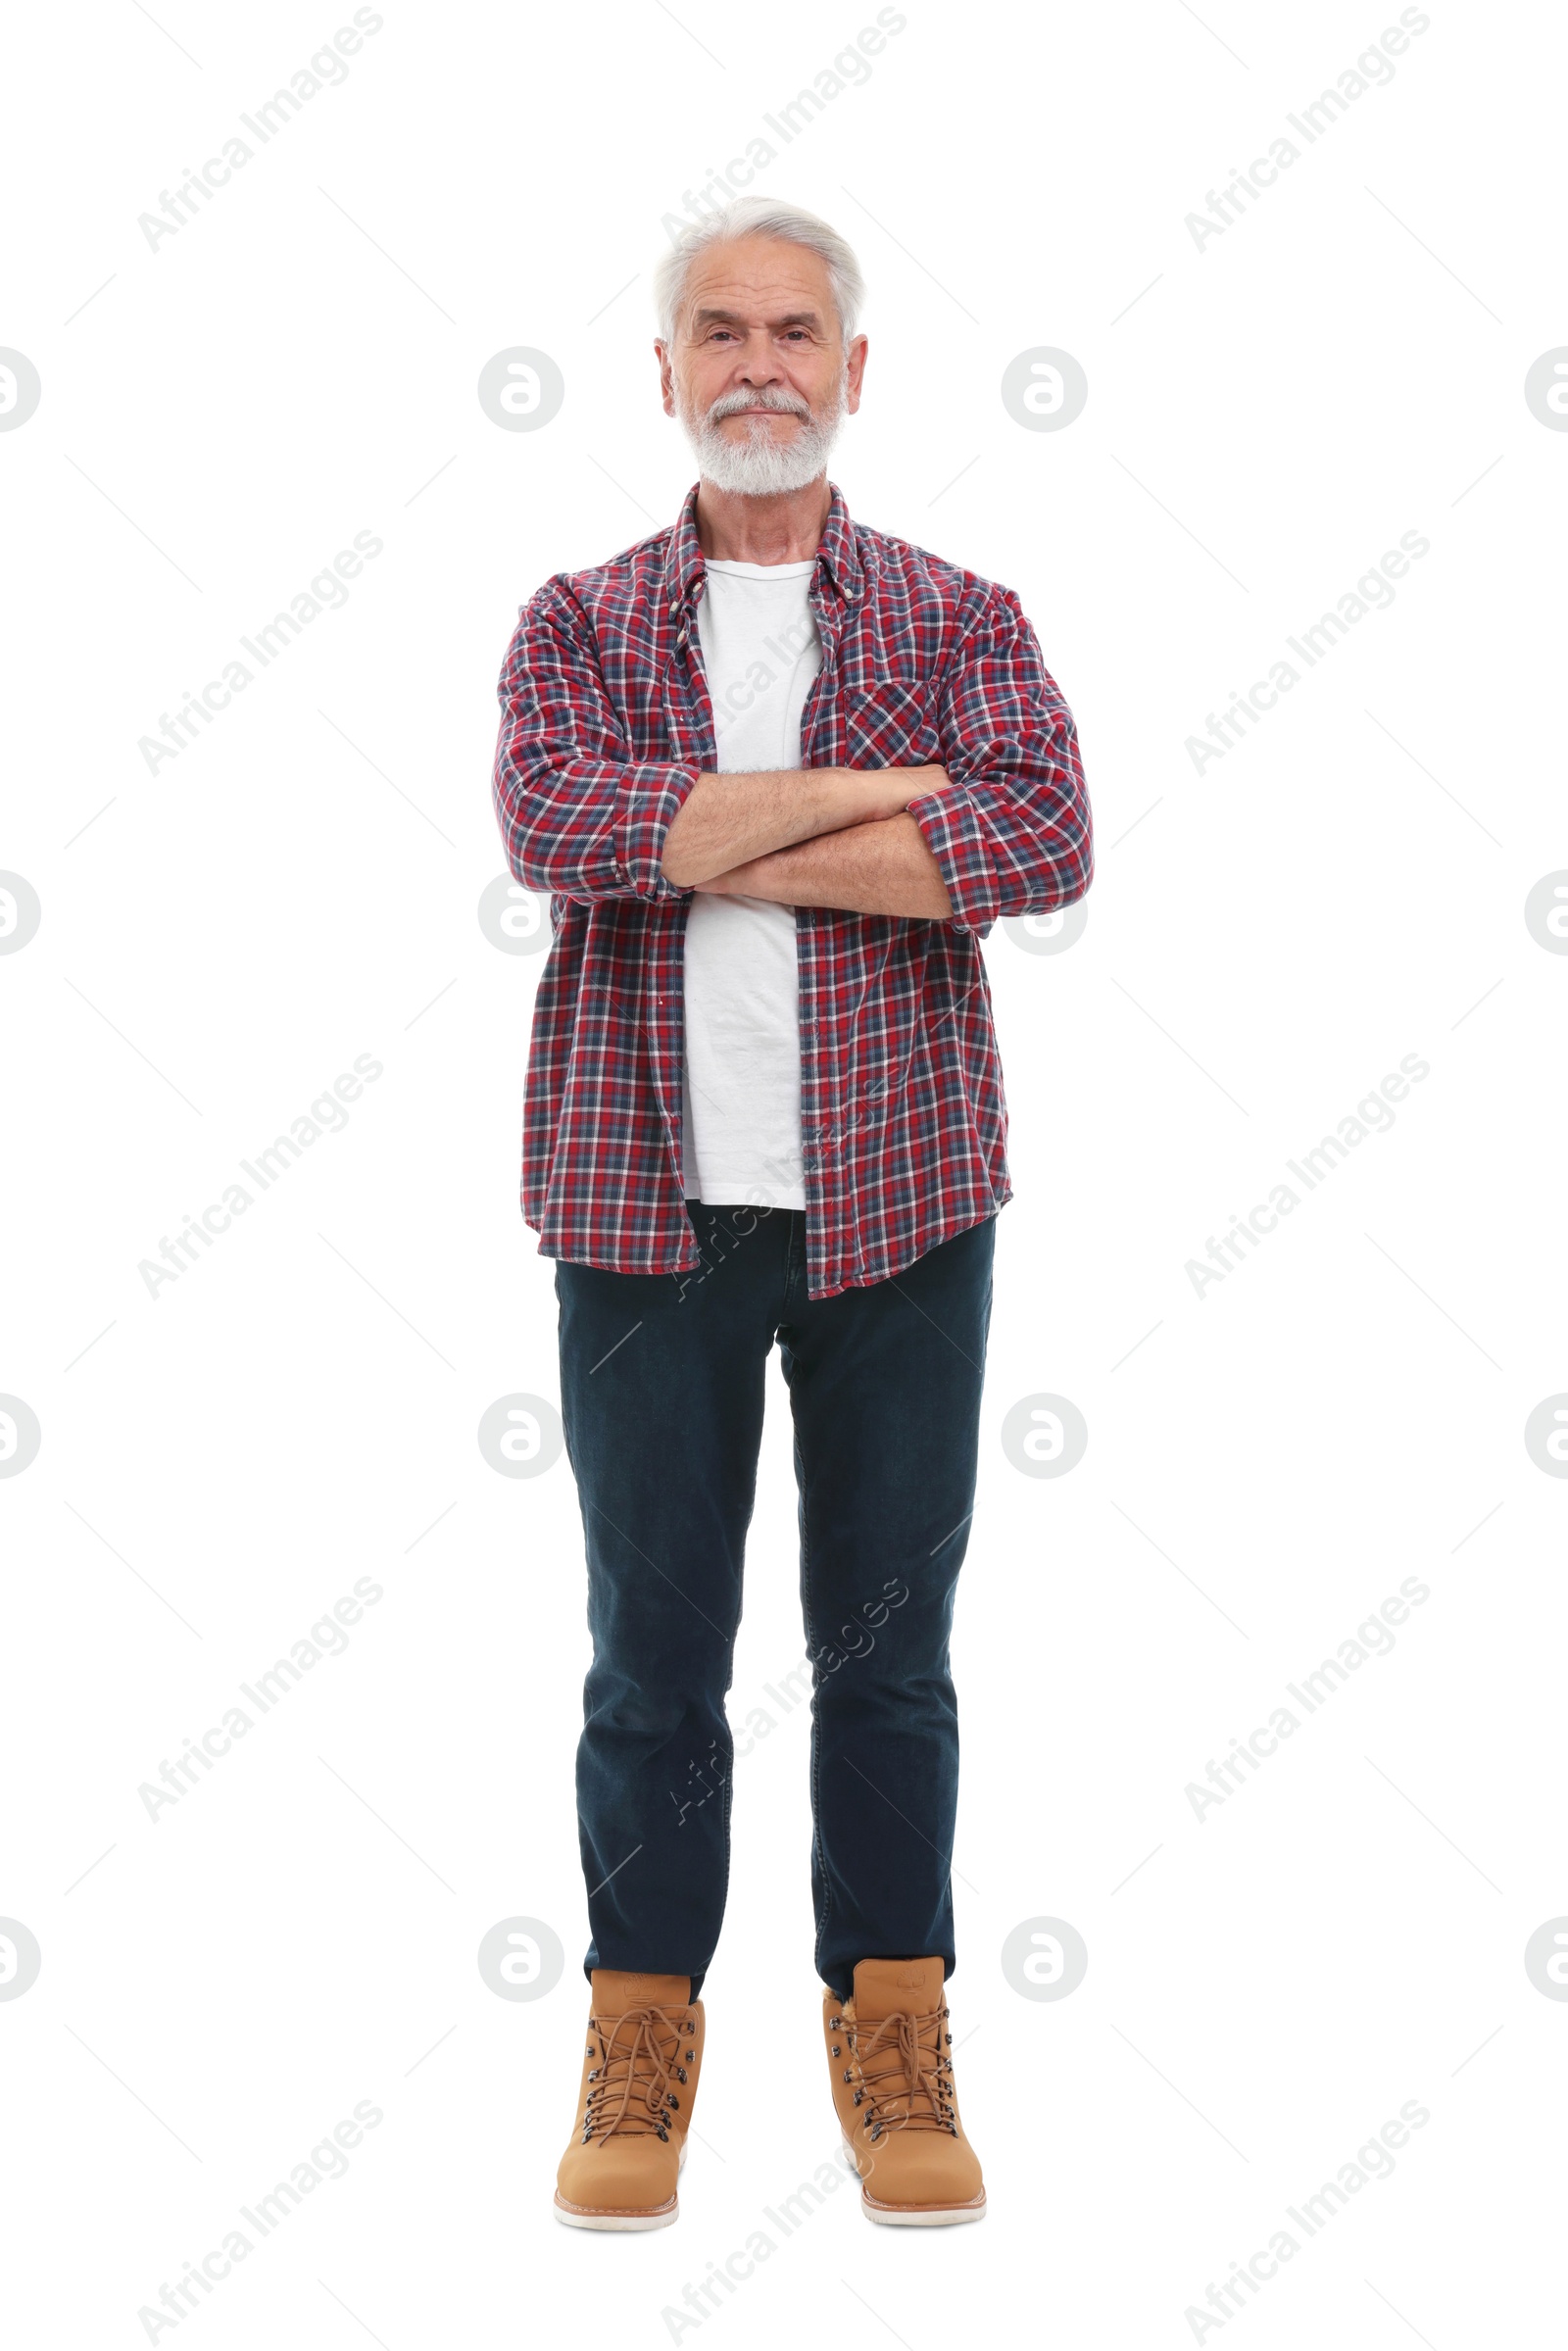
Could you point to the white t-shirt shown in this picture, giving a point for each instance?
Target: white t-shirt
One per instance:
(741, 1076)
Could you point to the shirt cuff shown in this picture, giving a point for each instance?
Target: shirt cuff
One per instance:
(950, 827)
(648, 800)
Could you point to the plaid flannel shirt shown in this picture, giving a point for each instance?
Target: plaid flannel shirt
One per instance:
(606, 727)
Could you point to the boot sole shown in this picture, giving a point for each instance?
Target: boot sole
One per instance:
(915, 2216)
(624, 2217)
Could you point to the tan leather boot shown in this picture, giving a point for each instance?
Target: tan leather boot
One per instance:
(889, 2052)
(639, 2082)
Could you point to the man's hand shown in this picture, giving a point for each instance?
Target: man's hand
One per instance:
(904, 784)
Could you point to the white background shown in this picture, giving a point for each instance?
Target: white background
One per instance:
(299, 1409)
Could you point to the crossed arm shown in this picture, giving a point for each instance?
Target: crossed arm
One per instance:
(818, 837)
(1001, 827)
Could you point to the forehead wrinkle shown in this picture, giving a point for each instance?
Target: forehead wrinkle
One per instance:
(716, 313)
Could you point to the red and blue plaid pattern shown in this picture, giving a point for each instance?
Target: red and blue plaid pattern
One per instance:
(607, 724)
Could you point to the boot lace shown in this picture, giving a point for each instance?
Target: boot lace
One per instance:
(901, 2071)
(636, 2085)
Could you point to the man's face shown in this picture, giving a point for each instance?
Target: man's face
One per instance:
(758, 373)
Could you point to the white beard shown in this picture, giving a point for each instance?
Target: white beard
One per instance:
(758, 466)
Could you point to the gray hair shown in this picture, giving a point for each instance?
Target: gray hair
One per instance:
(759, 216)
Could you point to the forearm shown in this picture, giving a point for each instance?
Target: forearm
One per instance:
(883, 867)
(728, 820)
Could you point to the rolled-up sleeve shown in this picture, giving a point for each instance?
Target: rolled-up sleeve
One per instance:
(1012, 833)
(577, 814)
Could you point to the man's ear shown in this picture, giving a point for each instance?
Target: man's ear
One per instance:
(857, 357)
(666, 382)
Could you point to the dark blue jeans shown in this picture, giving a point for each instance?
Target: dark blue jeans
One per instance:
(662, 1387)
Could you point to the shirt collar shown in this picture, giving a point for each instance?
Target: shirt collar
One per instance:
(837, 554)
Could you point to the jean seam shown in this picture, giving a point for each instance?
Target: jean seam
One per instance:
(817, 1851)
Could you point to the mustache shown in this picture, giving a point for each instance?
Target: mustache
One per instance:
(730, 404)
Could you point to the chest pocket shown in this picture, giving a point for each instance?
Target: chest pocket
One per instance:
(890, 725)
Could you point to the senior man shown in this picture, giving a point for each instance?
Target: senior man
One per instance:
(780, 776)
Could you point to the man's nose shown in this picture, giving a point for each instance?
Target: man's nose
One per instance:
(758, 363)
